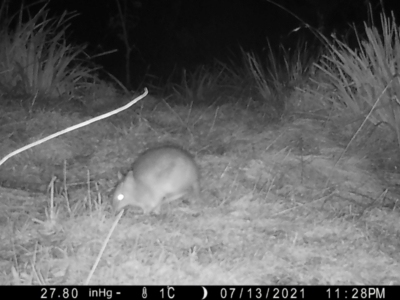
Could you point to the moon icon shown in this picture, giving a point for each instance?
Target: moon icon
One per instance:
(205, 293)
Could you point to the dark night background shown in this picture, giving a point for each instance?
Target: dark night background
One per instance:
(168, 36)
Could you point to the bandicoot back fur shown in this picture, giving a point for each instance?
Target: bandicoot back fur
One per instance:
(161, 174)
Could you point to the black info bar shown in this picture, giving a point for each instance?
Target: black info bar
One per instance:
(200, 292)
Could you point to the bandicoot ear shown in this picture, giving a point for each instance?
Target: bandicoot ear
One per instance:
(120, 176)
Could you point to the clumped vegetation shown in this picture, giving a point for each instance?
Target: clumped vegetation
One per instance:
(37, 62)
(366, 78)
(36, 58)
(297, 150)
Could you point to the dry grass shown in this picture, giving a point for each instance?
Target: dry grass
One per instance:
(269, 215)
